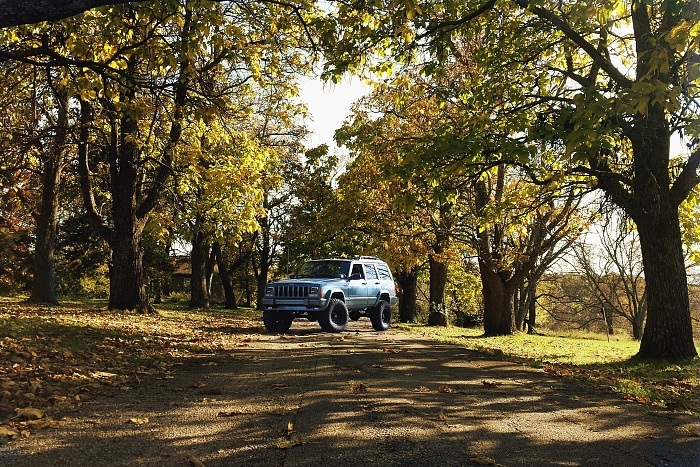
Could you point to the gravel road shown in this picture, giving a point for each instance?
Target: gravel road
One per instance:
(359, 398)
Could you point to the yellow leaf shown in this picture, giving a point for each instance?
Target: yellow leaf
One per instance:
(139, 421)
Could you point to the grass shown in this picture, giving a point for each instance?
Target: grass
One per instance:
(610, 365)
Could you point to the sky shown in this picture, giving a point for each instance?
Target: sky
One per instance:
(329, 105)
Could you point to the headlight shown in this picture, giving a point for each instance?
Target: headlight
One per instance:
(269, 291)
(314, 291)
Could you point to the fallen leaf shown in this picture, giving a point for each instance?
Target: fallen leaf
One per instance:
(290, 443)
(290, 428)
(441, 416)
(198, 384)
(490, 384)
(445, 389)
(139, 421)
(8, 432)
(280, 386)
(29, 413)
(194, 461)
(359, 387)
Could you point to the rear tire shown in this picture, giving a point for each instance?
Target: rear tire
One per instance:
(277, 322)
(381, 316)
(335, 317)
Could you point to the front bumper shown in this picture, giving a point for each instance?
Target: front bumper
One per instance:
(295, 304)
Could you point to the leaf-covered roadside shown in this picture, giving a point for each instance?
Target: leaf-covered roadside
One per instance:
(53, 359)
(609, 365)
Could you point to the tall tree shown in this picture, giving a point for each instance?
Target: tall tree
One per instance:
(607, 77)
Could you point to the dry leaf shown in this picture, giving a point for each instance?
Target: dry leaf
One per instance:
(29, 413)
(198, 384)
(359, 387)
(445, 389)
(490, 384)
(194, 461)
(422, 389)
(290, 428)
(290, 443)
(8, 432)
(139, 421)
(441, 416)
(280, 386)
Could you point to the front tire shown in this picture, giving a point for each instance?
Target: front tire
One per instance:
(381, 316)
(335, 317)
(277, 322)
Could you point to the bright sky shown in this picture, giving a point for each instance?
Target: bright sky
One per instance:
(329, 105)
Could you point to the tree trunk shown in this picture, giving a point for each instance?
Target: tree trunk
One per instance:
(126, 288)
(408, 295)
(265, 257)
(199, 296)
(229, 295)
(668, 332)
(438, 281)
(43, 285)
(532, 315)
(499, 318)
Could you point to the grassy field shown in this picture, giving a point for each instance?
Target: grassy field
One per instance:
(52, 358)
(609, 364)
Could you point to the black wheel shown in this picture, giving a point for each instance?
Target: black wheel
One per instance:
(277, 322)
(335, 317)
(381, 316)
(354, 315)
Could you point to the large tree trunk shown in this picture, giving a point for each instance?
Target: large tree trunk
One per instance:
(199, 296)
(126, 288)
(499, 318)
(668, 331)
(438, 281)
(408, 295)
(43, 285)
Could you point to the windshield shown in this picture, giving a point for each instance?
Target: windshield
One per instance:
(326, 268)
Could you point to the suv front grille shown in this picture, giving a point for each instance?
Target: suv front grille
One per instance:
(292, 291)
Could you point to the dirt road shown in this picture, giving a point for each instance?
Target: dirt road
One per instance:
(359, 398)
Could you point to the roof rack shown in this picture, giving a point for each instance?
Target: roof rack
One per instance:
(366, 257)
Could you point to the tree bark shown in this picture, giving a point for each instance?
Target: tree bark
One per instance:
(499, 318)
(43, 285)
(199, 296)
(668, 330)
(229, 295)
(408, 295)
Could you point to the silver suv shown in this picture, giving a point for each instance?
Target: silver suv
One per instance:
(331, 291)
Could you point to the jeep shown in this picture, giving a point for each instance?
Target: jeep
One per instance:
(331, 291)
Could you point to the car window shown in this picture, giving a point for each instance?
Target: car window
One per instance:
(370, 272)
(384, 273)
(331, 268)
(357, 269)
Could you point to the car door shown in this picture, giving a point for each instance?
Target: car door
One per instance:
(374, 286)
(357, 288)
